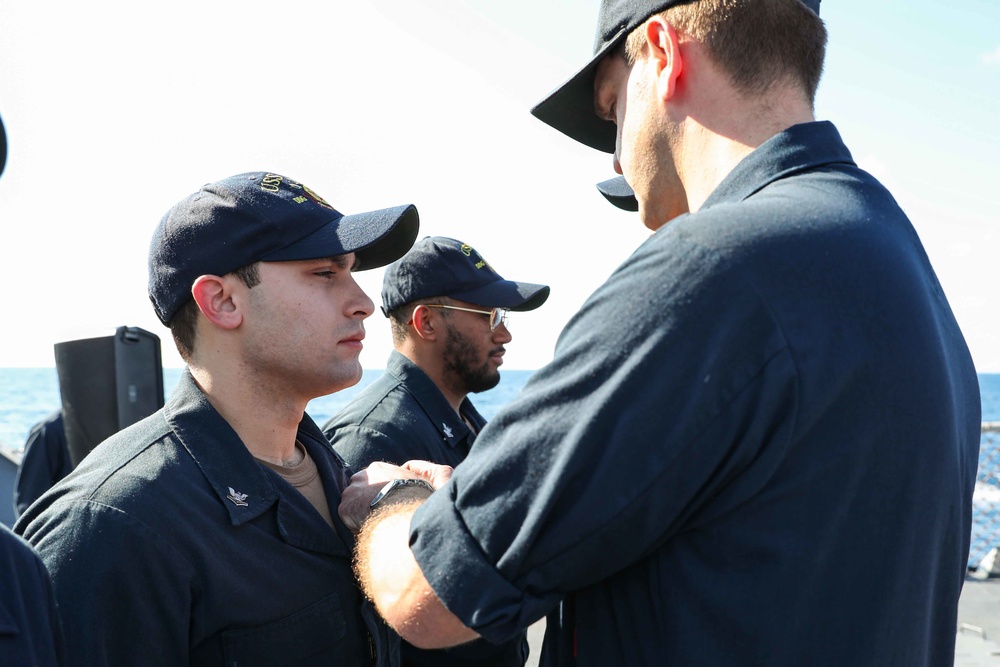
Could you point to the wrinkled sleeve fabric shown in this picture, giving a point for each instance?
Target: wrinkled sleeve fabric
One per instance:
(87, 547)
(659, 410)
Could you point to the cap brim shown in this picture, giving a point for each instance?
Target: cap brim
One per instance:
(570, 107)
(507, 294)
(3, 146)
(376, 238)
(619, 193)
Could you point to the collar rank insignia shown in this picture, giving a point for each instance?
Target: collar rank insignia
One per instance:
(447, 431)
(239, 499)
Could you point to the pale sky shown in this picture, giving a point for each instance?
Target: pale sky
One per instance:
(116, 110)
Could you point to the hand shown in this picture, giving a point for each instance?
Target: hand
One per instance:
(356, 500)
(434, 473)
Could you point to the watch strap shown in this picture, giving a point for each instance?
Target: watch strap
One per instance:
(397, 484)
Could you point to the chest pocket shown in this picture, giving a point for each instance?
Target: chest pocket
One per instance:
(313, 636)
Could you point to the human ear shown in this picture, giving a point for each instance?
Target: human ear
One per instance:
(215, 300)
(423, 322)
(665, 53)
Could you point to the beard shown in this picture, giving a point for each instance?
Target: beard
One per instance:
(461, 362)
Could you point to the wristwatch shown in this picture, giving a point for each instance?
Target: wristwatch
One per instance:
(397, 484)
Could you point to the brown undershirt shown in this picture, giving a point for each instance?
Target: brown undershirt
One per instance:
(304, 477)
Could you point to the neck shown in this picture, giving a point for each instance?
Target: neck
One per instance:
(454, 398)
(264, 416)
(709, 127)
(713, 146)
(433, 367)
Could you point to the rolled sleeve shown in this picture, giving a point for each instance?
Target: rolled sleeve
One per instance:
(464, 578)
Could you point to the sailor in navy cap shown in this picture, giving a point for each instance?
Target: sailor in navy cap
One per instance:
(757, 442)
(207, 533)
(448, 310)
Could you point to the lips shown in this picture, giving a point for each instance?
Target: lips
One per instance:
(354, 340)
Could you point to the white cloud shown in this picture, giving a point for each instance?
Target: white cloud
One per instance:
(992, 58)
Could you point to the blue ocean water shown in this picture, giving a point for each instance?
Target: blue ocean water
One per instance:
(28, 394)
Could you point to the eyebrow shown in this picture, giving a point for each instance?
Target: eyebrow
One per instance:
(344, 263)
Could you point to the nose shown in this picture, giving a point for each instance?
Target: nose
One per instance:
(358, 303)
(617, 164)
(502, 335)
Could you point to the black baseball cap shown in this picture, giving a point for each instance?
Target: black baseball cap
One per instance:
(619, 193)
(440, 266)
(262, 216)
(570, 108)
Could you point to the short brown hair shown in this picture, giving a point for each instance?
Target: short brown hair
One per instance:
(399, 318)
(759, 43)
(183, 323)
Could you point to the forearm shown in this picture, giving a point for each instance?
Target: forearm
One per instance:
(392, 579)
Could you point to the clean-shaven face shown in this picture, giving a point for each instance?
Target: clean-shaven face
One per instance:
(304, 326)
(627, 96)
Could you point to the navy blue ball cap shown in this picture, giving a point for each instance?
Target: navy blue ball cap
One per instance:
(440, 266)
(261, 216)
(570, 108)
(619, 193)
